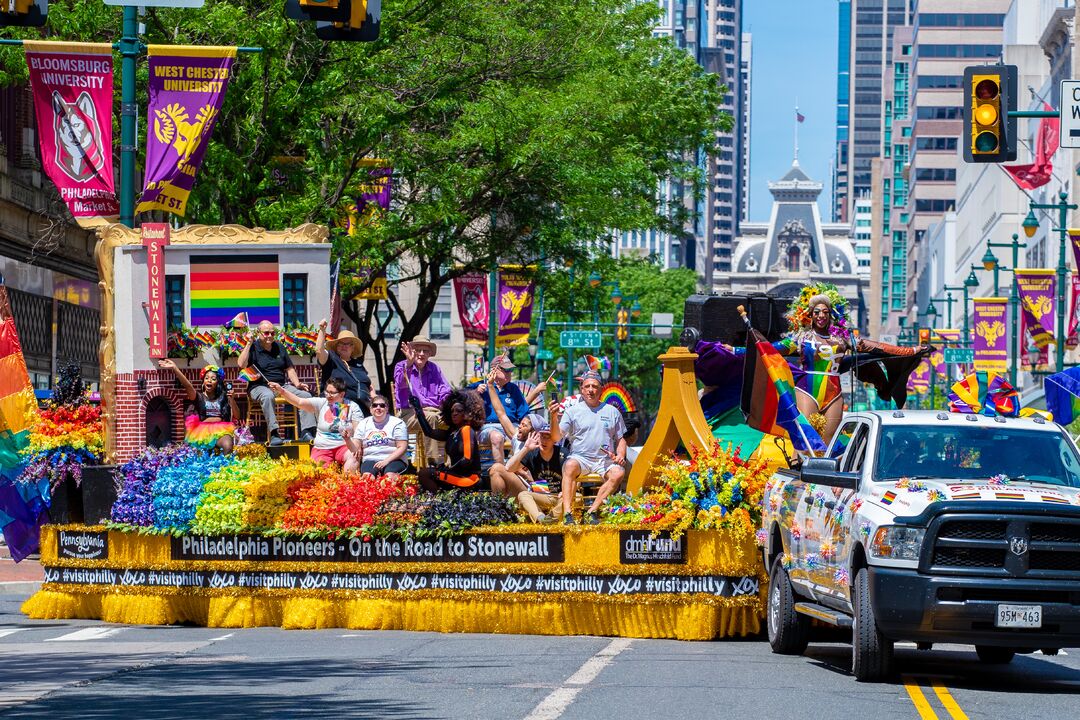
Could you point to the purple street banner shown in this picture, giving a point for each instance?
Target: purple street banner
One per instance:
(471, 291)
(373, 195)
(72, 85)
(919, 380)
(1074, 236)
(1037, 288)
(187, 86)
(991, 338)
(943, 338)
(1072, 337)
(515, 308)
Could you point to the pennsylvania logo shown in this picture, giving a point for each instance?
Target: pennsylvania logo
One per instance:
(887, 498)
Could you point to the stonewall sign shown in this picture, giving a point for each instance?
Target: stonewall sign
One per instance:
(73, 90)
(187, 87)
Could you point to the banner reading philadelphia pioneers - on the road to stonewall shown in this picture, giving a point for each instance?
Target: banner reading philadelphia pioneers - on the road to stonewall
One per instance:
(1037, 304)
(471, 292)
(991, 338)
(515, 308)
(73, 91)
(187, 87)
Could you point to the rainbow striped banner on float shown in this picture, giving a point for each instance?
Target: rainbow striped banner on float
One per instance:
(22, 505)
(224, 286)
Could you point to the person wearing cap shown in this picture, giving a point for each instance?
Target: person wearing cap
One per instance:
(594, 431)
(497, 391)
(342, 358)
(542, 458)
(418, 377)
(208, 422)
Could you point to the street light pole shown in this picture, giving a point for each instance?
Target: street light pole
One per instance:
(931, 317)
(990, 261)
(1063, 207)
(966, 338)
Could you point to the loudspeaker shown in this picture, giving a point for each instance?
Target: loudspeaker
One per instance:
(716, 317)
(98, 493)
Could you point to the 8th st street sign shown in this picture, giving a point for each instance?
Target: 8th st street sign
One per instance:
(1070, 114)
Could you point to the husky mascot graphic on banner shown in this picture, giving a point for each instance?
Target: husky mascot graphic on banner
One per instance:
(73, 94)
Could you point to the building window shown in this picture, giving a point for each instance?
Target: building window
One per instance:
(439, 325)
(174, 300)
(294, 306)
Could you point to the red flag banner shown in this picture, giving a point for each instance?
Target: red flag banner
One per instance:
(73, 93)
(471, 292)
(1041, 169)
(991, 338)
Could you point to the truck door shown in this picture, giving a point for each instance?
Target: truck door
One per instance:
(828, 516)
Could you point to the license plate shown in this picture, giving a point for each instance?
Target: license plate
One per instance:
(1019, 616)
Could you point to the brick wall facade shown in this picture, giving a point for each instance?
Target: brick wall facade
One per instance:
(131, 404)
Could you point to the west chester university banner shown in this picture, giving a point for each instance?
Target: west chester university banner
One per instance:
(73, 92)
(187, 87)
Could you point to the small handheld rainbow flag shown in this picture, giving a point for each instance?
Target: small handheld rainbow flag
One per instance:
(478, 366)
(308, 337)
(598, 364)
(249, 373)
(239, 321)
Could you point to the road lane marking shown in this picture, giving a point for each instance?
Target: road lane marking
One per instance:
(90, 633)
(9, 631)
(922, 705)
(221, 637)
(556, 703)
(947, 700)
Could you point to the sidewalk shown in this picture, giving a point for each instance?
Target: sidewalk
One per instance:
(21, 578)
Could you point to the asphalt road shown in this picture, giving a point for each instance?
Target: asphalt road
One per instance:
(88, 669)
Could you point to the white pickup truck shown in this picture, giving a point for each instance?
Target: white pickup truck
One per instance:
(930, 527)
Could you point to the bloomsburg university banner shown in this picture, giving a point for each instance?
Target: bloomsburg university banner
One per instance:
(187, 87)
(72, 85)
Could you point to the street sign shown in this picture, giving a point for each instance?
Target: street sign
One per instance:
(545, 355)
(661, 324)
(959, 355)
(1070, 114)
(158, 3)
(581, 339)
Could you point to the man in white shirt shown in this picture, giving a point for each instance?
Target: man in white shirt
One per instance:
(594, 431)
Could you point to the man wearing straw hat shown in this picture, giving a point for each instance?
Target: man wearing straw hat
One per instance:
(342, 358)
(417, 376)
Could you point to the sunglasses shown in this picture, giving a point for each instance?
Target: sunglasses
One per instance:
(375, 405)
(821, 312)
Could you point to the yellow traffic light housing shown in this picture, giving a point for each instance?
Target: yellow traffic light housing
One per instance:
(990, 93)
(23, 13)
(622, 332)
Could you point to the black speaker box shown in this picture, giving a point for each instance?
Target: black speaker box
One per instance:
(98, 493)
(716, 317)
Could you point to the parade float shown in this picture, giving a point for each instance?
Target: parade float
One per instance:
(247, 539)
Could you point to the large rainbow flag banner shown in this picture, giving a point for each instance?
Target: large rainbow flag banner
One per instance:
(22, 505)
(768, 395)
(222, 286)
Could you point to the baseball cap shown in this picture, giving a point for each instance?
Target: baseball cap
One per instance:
(504, 363)
(539, 424)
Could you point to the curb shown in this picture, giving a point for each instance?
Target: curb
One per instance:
(21, 587)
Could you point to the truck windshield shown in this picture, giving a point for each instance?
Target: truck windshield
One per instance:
(975, 452)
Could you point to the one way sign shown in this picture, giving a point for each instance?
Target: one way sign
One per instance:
(1070, 113)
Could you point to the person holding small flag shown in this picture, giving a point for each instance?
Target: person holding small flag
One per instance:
(343, 357)
(267, 356)
(208, 421)
(336, 420)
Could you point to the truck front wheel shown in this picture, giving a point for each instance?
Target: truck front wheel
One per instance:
(789, 631)
(871, 652)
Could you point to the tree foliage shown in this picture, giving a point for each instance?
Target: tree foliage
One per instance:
(516, 129)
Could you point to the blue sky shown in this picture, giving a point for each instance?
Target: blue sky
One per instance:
(794, 58)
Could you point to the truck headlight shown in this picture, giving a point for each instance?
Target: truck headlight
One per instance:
(897, 542)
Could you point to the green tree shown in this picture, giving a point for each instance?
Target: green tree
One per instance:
(571, 296)
(516, 130)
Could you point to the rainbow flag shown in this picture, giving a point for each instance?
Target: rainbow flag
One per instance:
(984, 392)
(23, 506)
(616, 394)
(205, 338)
(249, 373)
(598, 364)
(228, 288)
(240, 321)
(768, 396)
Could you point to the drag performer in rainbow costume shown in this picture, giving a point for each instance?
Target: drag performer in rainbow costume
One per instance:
(208, 421)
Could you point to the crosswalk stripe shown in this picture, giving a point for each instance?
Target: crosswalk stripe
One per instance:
(90, 633)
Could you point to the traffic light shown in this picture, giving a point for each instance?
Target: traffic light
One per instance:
(327, 10)
(989, 95)
(23, 13)
(924, 336)
(360, 25)
(621, 318)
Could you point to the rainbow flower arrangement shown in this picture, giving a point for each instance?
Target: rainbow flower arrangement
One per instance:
(64, 436)
(715, 489)
(134, 504)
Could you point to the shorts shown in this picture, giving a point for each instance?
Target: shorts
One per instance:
(599, 466)
(470, 483)
(486, 431)
(329, 456)
(394, 466)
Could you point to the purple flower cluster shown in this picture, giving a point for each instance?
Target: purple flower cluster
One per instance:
(134, 503)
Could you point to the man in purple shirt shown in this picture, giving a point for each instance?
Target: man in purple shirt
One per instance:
(417, 375)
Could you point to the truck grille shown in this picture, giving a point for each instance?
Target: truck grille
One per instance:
(1034, 547)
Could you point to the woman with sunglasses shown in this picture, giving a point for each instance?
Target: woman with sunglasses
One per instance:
(464, 414)
(343, 357)
(208, 421)
(335, 420)
(380, 441)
